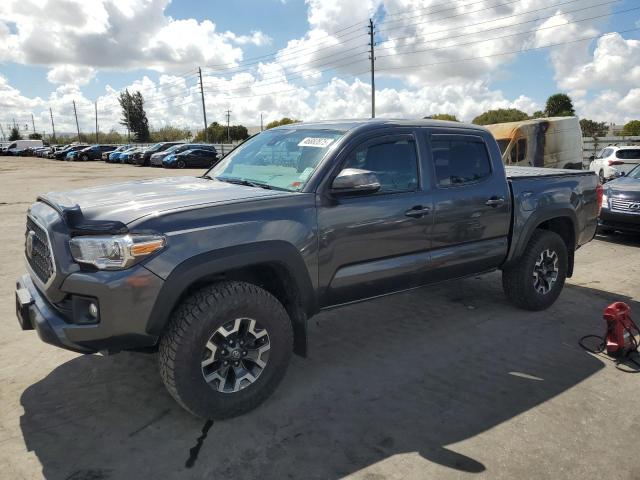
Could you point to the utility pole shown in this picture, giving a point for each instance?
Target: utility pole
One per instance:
(228, 131)
(3, 136)
(96, 105)
(76, 114)
(33, 124)
(261, 128)
(53, 129)
(373, 68)
(204, 110)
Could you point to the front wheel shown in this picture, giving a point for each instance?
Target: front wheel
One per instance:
(85, 157)
(227, 347)
(536, 280)
(181, 164)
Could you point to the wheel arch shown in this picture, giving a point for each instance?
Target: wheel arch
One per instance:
(275, 266)
(562, 221)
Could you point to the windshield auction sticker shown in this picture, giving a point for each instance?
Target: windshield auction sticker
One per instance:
(316, 142)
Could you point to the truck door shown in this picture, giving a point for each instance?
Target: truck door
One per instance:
(472, 204)
(375, 243)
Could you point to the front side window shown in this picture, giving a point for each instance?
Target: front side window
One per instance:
(281, 159)
(395, 163)
(628, 154)
(459, 161)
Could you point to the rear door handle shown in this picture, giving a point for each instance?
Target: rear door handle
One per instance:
(417, 211)
(495, 202)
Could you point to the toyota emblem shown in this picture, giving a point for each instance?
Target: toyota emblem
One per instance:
(634, 206)
(29, 243)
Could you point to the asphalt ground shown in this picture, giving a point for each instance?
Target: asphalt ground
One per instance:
(448, 381)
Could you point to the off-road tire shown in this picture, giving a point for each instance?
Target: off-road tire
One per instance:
(517, 280)
(191, 326)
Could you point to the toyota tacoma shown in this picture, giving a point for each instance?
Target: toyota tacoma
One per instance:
(220, 273)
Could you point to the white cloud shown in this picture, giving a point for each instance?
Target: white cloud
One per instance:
(113, 34)
(63, 74)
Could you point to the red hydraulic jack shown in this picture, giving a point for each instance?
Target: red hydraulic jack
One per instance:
(623, 335)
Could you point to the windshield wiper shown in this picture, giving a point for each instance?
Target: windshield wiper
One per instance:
(245, 182)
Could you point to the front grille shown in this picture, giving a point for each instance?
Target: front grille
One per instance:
(38, 251)
(625, 205)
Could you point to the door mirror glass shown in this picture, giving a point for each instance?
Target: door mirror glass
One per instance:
(355, 180)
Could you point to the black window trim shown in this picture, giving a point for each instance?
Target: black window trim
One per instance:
(461, 136)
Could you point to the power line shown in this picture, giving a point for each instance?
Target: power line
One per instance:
(506, 36)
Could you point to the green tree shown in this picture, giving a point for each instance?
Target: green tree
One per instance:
(217, 133)
(593, 129)
(282, 121)
(170, 134)
(502, 115)
(631, 128)
(559, 105)
(443, 116)
(538, 114)
(35, 136)
(15, 134)
(133, 115)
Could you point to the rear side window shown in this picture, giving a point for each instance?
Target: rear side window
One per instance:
(460, 160)
(628, 154)
(605, 153)
(395, 163)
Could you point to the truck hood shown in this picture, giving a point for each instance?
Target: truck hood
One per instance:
(127, 202)
(624, 187)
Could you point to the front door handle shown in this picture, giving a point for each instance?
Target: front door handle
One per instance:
(418, 211)
(495, 202)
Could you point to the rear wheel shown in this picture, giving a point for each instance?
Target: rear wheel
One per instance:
(536, 280)
(226, 349)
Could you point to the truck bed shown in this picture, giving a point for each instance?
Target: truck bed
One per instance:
(513, 172)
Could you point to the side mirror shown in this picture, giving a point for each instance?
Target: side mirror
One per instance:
(592, 158)
(354, 181)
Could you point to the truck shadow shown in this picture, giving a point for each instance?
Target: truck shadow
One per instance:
(416, 372)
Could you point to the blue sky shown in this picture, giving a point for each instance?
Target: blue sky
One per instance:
(71, 70)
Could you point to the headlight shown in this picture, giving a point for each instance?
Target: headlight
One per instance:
(605, 201)
(114, 252)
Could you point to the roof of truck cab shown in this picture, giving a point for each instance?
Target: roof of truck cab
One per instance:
(373, 123)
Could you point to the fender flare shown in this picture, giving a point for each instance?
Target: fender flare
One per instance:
(532, 224)
(209, 264)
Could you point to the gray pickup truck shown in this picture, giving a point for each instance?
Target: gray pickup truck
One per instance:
(220, 273)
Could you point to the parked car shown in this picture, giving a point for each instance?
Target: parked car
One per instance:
(129, 156)
(62, 154)
(114, 157)
(105, 155)
(613, 161)
(94, 152)
(621, 204)
(554, 142)
(196, 158)
(156, 158)
(18, 146)
(145, 157)
(221, 272)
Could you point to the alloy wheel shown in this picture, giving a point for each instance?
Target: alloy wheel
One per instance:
(545, 271)
(235, 355)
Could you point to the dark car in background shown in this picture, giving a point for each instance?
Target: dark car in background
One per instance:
(94, 152)
(145, 157)
(130, 156)
(62, 154)
(199, 157)
(156, 158)
(621, 204)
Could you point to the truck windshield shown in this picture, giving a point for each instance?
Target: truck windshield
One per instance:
(503, 144)
(281, 159)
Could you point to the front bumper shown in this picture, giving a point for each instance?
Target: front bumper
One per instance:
(612, 220)
(125, 299)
